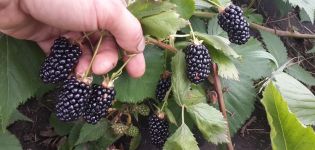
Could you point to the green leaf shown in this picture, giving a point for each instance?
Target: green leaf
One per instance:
(184, 93)
(185, 7)
(275, 47)
(9, 142)
(214, 28)
(18, 75)
(135, 142)
(286, 131)
(253, 55)
(163, 24)
(197, 24)
(170, 116)
(210, 122)
(226, 67)
(16, 115)
(132, 90)
(300, 99)
(301, 74)
(239, 99)
(182, 139)
(145, 8)
(307, 5)
(217, 43)
(105, 141)
(61, 128)
(74, 134)
(93, 132)
(202, 4)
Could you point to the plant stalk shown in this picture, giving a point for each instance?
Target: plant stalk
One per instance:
(218, 88)
(161, 44)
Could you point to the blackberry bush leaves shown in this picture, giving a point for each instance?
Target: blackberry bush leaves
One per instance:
(135, 90)
(18, 75)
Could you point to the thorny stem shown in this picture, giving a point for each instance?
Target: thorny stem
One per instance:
(88, 71)
(161, 44)
(218, 88)
(260, 27)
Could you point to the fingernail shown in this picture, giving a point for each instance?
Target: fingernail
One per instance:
(141, 45)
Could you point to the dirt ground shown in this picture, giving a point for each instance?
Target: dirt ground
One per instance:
(39, 135)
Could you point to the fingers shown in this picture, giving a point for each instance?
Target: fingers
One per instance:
(136, 66)
(82, 15)
(107, 57)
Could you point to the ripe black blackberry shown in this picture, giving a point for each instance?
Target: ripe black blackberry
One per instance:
(158, 129)
(71, 99)
(232, 21)
(98, 104)
(198, 63)
(61, 61)
(163, 86)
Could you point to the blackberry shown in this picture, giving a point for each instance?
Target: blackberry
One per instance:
(198, 63)
(71, 99)
(120, 128)
(98, 104)
(158, 129)
(60, 63)
(231, 20)
(142, 109)
(133, 131)
(163, 86)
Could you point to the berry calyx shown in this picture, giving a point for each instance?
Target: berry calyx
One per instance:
(231, 20)
(163, 86)
(198, 63)
(61, 61)
(158, 129)
(71, 99)
(98, 104)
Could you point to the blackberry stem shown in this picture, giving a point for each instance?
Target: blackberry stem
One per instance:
(193, 35)
(183, 117)
(166, 98)
(88, 71)
(161, 44)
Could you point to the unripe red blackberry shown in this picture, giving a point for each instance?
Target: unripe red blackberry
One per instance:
(71, 99)
(232, 21)
(98, 104)
(163, 86)
(198, 63)
(158, 129)
(61, 61)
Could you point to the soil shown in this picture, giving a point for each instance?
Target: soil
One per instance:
(39, 135)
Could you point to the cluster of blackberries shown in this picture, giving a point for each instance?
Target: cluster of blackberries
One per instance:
(76, 98)
(61, 61)
(163, 86)
(158, 129)
(198, 63)
(232, 21)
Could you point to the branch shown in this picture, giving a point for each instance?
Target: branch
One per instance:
(282, 33)
(161, 44)
(218, 88)
(263, 28)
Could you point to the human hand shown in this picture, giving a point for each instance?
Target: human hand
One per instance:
(43, 21)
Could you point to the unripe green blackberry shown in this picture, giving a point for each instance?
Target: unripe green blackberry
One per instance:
(142, 109)
(71, 99)
(158, 129)
(61, 61)
(98, 104)
(119, 128)
(163, 86)
(198, 63)
(232, 21)
(133, 131)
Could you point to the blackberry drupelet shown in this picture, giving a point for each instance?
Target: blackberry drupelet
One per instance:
(198, 63)
(162, 87)
(158, 129)
(71, 99)
(142, 109)
(98, 104)
(232, 21)
(133, 131)
(61, 61)
(120, 128)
